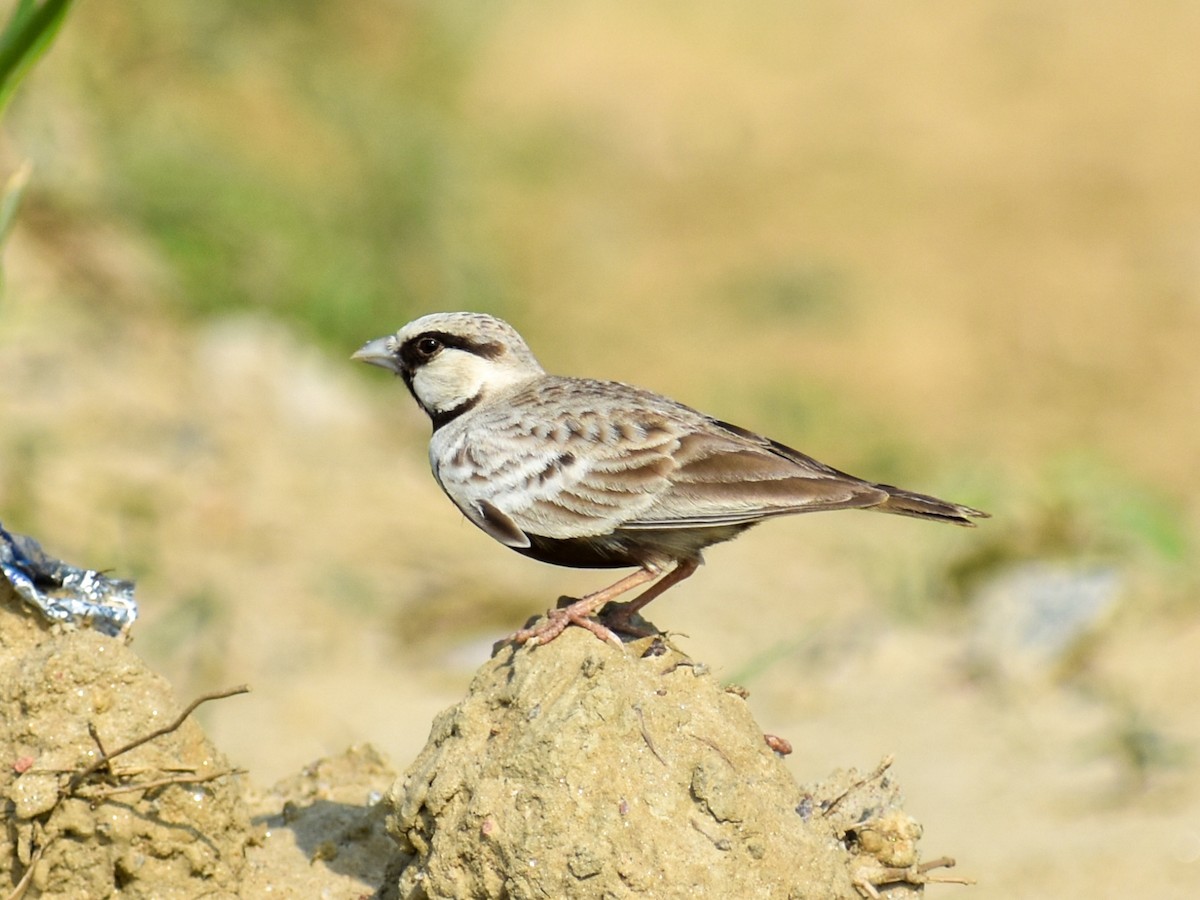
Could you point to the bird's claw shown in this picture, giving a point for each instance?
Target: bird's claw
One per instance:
(557, 621)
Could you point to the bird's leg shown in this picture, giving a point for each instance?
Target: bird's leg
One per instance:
(617, 617)
(581, 611)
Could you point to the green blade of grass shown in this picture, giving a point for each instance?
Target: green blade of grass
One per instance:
(27, 35)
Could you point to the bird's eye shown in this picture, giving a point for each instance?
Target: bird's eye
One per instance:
(427, 346)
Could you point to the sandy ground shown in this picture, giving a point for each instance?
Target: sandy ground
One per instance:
(573, 770)
(1074, 779)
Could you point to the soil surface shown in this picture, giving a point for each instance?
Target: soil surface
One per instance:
(171, 819)
(570, 770)
(575, 770)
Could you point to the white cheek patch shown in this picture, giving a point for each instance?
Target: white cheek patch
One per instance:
(450, 379)
(454, 376)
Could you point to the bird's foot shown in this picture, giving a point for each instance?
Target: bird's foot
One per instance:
(568, 612)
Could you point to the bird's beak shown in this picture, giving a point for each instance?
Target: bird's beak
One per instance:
(377, 353)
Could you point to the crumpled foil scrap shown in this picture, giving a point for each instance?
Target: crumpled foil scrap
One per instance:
(65, 593)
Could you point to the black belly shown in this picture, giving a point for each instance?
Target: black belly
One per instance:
(625, 548)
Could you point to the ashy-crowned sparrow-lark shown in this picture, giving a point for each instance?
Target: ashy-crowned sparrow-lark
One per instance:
(600, 474)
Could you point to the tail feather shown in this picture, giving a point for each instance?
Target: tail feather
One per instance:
(922, 506)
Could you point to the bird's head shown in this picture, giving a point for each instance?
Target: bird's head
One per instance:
(453, 361)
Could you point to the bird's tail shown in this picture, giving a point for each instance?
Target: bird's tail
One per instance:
(922, 506)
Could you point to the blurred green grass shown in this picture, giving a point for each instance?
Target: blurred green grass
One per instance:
(286, 170)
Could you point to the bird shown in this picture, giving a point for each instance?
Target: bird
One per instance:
(597, 474)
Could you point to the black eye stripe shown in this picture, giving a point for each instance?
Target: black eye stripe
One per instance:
(413, 357)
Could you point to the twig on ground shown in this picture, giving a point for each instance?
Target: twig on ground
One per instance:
(105, 792)
(105, 758)
(75, 782)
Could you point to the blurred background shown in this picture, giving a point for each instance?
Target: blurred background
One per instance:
(951, 246)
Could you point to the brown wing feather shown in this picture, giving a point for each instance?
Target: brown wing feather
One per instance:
(728, 475)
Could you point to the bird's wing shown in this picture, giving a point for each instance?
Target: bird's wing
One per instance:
(726, 475)
(626, 458)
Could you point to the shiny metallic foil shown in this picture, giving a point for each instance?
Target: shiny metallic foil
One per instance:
(65, 593)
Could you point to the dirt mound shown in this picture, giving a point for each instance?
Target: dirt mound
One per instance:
(67, 697)
(169, 818)
(571, 770)
(321, 831)
(575, 770)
